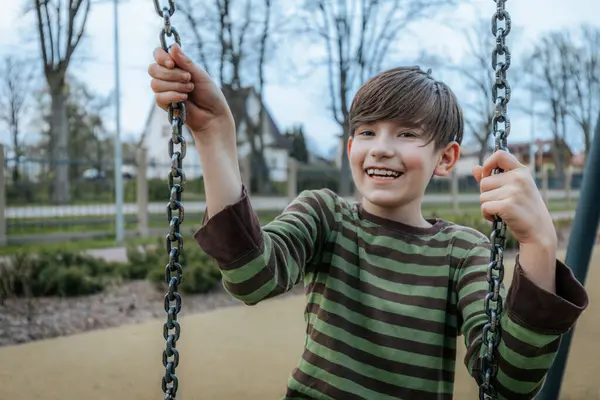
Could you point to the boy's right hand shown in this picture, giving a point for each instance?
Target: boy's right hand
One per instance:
(176, 78)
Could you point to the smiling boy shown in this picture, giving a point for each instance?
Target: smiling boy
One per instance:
(388, 291)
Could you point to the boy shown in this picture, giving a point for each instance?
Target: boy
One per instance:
(388, 291)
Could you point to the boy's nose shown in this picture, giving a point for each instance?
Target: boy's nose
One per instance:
(382, 148)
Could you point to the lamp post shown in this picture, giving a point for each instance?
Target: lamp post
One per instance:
(119, 222)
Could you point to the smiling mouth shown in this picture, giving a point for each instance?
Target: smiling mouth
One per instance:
(378, 173)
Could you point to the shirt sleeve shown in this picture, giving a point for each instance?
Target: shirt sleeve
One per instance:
(532, 322)
(257, 262)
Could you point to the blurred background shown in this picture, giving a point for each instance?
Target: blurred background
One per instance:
(83, 175)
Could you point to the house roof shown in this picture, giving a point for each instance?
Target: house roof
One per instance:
(540, 143)
(237, 100)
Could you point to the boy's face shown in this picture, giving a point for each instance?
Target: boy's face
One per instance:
(391, 165)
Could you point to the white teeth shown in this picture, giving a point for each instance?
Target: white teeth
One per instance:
(383, 173)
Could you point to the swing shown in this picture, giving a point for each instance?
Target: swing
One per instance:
(491, 335)
(174, 241)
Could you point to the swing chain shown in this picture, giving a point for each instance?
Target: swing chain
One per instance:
(174, 239)
(491, 334)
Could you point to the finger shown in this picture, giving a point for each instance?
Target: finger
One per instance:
(492, 208)
(188, 105)
(174, 75)
(165, 98)
(500, 159)
(182, 60)
(520, 180)
(159, 86)
(493, 182)
(477, 172)
(500, 193)
(163, 58)
(185, 63)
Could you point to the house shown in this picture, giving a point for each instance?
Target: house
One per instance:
(245, 107)
(469, 158)
(542, 150)
(155, 139)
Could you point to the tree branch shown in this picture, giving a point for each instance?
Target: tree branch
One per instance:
(50, 36)
(72, 46)
(40, 25)
(185, 8)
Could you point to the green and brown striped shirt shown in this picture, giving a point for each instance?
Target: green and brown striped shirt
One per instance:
(386, 301)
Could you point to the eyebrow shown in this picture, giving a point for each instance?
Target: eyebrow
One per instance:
(415, 128)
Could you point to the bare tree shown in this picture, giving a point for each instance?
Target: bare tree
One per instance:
(257, 127)
(61, 24)
(551, 80)
(233, 39)
(478, 76)
(358, 37)
(585, 75)
(14, 92)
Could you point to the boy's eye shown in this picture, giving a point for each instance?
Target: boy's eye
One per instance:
(408, 134)
(367, 133)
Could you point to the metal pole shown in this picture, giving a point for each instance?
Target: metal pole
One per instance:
(120, 229)
(531, 145)
(579, 251)
(3, 236)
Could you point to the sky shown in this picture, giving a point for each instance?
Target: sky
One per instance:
(291, 100)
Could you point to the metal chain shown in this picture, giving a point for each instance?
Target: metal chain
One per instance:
(495, 272)
(174, 240)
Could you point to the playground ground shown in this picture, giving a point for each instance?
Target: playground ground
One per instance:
(227, 354)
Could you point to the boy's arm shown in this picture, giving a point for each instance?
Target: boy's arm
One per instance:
(532, 322)
(261, 262)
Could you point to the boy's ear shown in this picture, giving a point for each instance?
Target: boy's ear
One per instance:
(349, 144)
(447, 159)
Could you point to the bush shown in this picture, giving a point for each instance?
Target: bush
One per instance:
(94, 267)
(72, 281)
(200, 271)
(482, 225)
(68, 273)
(55, 273)
(141, 261)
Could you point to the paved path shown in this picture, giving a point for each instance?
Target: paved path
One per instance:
(258, 202)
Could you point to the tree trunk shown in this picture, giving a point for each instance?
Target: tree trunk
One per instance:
(17, 151)
(482, 151)
(59, 151)
(264, 184)
(587, 133)
(345, 188)
(261, 181)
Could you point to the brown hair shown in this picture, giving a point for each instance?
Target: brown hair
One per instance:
(411, 97)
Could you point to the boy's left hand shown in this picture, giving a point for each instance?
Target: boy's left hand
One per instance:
(514, 197)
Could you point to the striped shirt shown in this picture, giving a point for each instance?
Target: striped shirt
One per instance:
(386, 301)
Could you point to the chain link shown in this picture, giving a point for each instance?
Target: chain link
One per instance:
(174, 239)
(491, 334)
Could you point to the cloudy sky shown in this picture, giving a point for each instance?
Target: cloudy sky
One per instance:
(290, 100)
